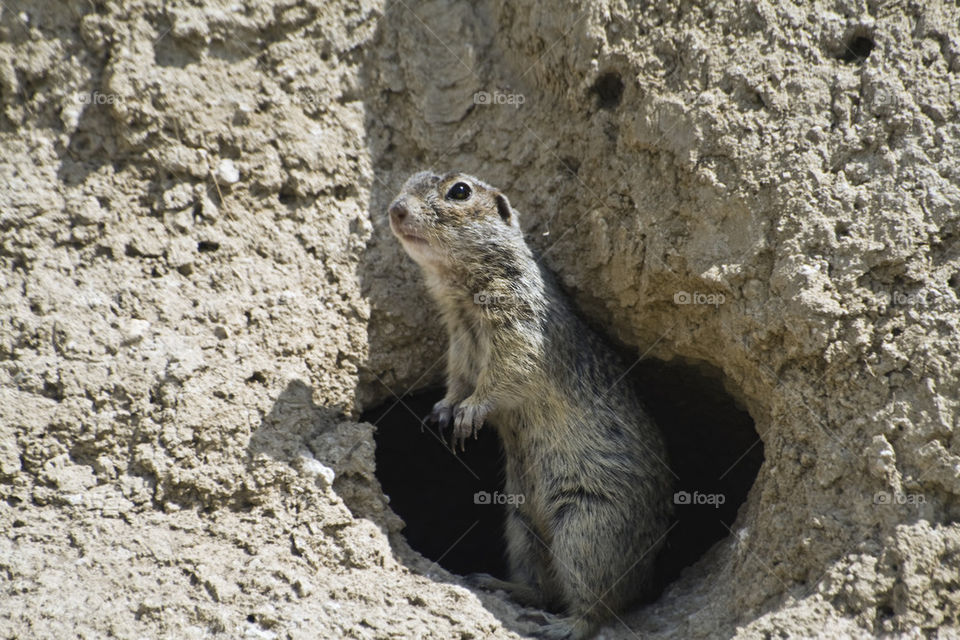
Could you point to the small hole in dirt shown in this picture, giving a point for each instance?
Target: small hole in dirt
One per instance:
(52, 390)
(609, 90)
(207, 246)
(856, 49)
(954, 282)
(287, 195)
(257, 376)
(713, 445)
(251, 618)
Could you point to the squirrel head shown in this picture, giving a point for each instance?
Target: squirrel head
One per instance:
(451, 218)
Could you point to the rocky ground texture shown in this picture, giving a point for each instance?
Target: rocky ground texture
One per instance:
(199, 295)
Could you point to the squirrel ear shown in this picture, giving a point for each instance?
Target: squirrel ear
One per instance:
(504, 209)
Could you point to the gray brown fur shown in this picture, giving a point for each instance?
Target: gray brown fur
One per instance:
(579, 447)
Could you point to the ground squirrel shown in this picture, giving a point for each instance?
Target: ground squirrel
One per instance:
(589, 462)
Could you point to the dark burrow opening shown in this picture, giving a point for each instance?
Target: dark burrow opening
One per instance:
(450, 503)
(856, 48)
(608, 89)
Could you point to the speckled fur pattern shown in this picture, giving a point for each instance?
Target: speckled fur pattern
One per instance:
(579, 447)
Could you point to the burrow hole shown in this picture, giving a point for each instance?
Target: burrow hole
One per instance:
(713, 445)
(608, 89)
(856, 48)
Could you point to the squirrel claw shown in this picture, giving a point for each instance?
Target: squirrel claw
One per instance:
(441, 415)
(467, 420)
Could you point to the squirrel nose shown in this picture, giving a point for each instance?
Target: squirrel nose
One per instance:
(398, 211)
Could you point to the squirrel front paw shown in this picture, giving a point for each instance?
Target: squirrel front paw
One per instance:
(468, 417)
(441, 415)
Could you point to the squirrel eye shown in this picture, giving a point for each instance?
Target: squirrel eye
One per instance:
(459, 191)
